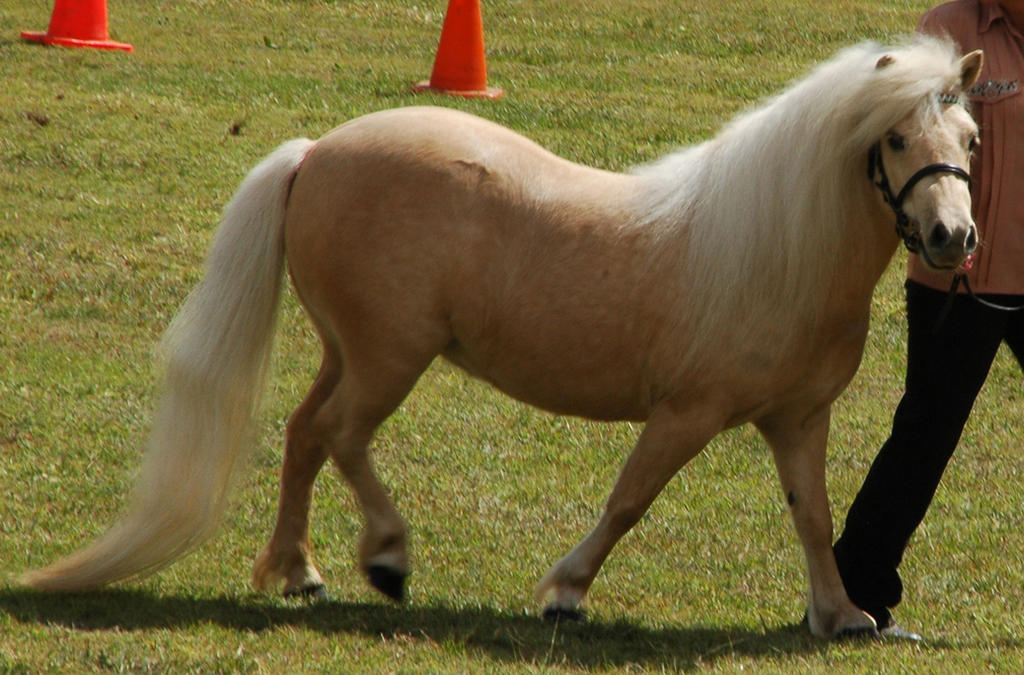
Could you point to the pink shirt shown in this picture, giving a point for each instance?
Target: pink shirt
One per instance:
(997, 170)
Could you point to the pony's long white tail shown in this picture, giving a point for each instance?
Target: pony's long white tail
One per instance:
(218, 348)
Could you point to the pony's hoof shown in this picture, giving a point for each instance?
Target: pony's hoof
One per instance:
(562, 615)
(387, 581)
(314, 592)
(858, 633)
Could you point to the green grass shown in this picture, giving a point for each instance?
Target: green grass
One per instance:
(113, 169)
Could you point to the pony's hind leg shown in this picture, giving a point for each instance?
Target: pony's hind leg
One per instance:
(379, 373)
(288, 554)
(383, 555)
(338, 419)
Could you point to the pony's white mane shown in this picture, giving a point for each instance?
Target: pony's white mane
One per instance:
(770, 201)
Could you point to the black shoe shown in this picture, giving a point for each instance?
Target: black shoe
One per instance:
(898, 633)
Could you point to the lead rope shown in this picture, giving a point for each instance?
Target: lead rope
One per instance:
(961, 277)
(948, 304)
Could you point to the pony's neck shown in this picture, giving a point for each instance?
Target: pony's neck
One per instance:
(865, 251)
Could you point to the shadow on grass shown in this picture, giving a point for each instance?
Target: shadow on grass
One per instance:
(503, 636)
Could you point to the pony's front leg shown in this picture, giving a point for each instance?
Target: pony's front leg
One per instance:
(670, 439)
(798, 444)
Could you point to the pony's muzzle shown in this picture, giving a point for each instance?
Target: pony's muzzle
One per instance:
(947, 247)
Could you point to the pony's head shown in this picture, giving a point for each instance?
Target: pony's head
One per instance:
(919, 166)
(783, 192)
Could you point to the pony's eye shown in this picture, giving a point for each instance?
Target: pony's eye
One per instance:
(897, 143)
(972, 144)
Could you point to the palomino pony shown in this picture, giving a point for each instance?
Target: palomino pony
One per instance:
(728, 283)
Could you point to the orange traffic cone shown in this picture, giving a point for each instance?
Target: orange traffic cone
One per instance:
(78, 23)
(460, 67)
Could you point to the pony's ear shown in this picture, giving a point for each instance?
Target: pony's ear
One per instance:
(970, 68)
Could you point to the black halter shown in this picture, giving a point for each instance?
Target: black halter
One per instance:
(911, 237)
(876, 173)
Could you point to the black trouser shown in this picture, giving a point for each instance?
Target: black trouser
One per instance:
(945, 370)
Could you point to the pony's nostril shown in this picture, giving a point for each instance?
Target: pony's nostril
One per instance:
(940, 235)
(971, 242)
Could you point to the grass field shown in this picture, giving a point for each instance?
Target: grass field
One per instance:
(113, 169)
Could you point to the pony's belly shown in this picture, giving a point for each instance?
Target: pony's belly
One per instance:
(562, 386)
